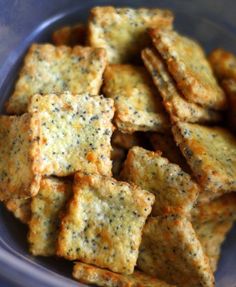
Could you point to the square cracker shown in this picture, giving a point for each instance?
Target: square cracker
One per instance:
(46, 207)
(19, 156)
(20, 207)
(171, 251)
(70, 35)
(211, 154)
(222, 209)
(166, 144)
(175, 104)
(104, 222)
(92, 275)
(50, 69)
(137, 102)
(229, 86)
(223, 64)
(122, 31)
(75, 133)
(189, 67)
(211, 235)
(174, 189)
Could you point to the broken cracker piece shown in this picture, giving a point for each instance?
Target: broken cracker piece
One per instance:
(189, 67)
(46, 207)
(211, 235)
(50, 69)
(70, 35)
(104, 222)
(171, 251)
(122, 31)
(21, 208)
(19, 156)
(175, 104)
(174, 189)
(138, 105)
(210, 153)
(92, 275)
(75, 133)
(223, 64)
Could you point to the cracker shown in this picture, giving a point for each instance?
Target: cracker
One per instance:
(117, 156)
(70, 35)
(46, 207)
(222, 209)
(189, 67)
(19, 156)
(174, 190)
(229, 86)
(50, 69)
(212, 234)
(171, 251)
(125, 141)
(175, 104)
(223, 64)
(166, 144)
(104, 222)
(138, 105)
(122, 31)
(20, 208)
(211, 154)
(92, 275)
(75, 133)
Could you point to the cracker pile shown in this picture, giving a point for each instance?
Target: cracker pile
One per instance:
(120, 155)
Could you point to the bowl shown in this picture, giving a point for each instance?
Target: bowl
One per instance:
(212, 23)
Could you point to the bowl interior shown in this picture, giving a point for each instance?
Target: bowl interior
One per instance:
(13, 238)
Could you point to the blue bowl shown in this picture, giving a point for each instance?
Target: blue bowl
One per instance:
(211, 22)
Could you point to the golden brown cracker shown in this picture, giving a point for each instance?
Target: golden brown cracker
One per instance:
(122, 31)
(211, 154)
(21, 208)
(75, 133)
(19, 156)
(125, 141)
(138, 104)
(49, 69)
(175, 104)
(104, 222)
(46, 207)
(174, 190)
(189, 67)
(92, 275)
(229, 86)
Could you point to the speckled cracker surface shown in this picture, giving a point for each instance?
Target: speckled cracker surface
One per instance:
(46, 207)
(222, 209)
(166, 144)
(223, 64)
(19, 156)
(174, 102)
(211, 154)
(49, 69)
(211, 235)
(171, 251)
(138, 104)
(189, 67)
(104, 222)
(70, 35)
(75, 133)
(21, 208)
(92, 275)
(229, 86)
(174, 190)
(122, 31)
